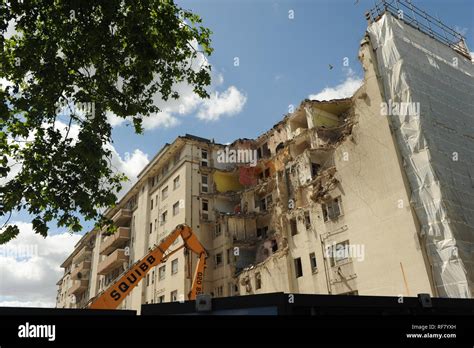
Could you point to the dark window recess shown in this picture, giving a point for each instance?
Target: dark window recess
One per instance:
(314, 169)
(204, 158)
(331, 210)
(204, 184)
(218, 259)
(229, 255)
(258, 281)
(307, 220)
(336, 208)
(263, 204)
(269, 200)
(265, 150)
(280, 147)
(293, 227)
(298, 267)
(312, 259)
(274, 246)
(217, 230)
(262, 232)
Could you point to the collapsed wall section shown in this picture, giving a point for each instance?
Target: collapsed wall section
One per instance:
(428, 92)
(295, 173)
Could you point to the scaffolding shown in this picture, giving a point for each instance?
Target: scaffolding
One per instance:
(421, 20)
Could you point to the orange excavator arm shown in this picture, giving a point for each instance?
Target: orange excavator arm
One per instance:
(116, 293)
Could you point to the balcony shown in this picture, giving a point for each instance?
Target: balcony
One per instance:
(122, 217)
(83, 254)
(117, 240)
(78, 287)
(113, 261)
(81, 270)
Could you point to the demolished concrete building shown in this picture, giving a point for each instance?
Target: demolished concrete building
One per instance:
(342, 199)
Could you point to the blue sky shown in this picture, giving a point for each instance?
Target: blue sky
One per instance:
(282, 61)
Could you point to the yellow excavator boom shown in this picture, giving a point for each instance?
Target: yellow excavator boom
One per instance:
(116, 293)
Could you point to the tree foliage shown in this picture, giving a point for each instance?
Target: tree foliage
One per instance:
(115, 55)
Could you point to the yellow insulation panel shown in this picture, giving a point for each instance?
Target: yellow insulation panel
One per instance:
(227, 181)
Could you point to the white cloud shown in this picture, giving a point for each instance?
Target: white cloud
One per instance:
(227, 103)
(344, 90)
(30, 279)
(15, 168)
(5, 83)
(131, 165)
(114, 120)
(10, 29)
(73, 133)
(47, 304)
(221, 103)
(218, 79)
(162, 119)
